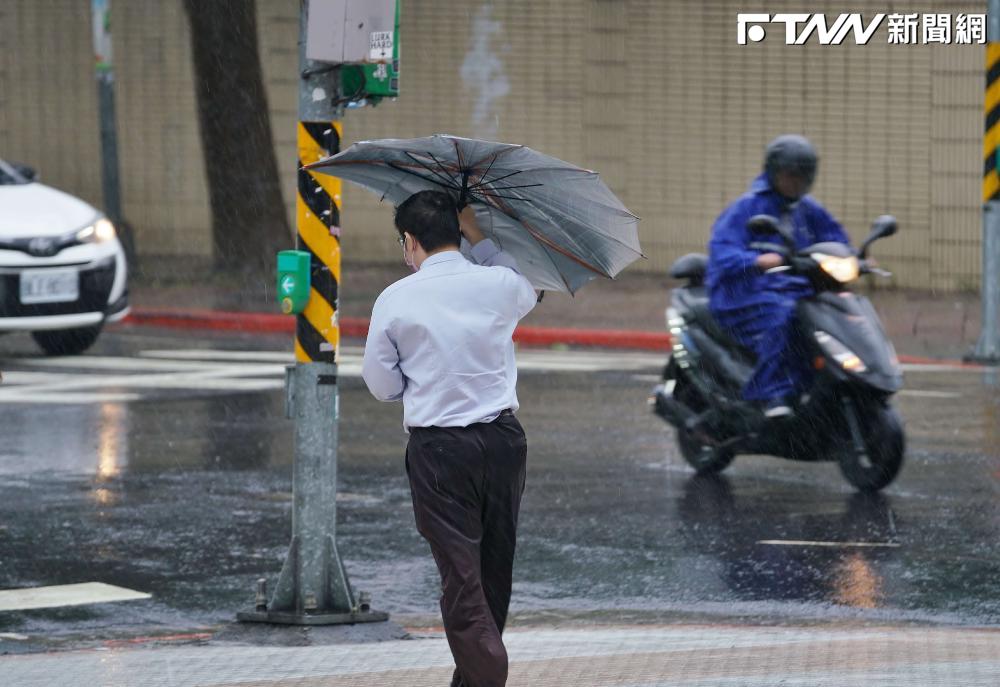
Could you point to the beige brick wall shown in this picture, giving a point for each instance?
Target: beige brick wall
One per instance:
(48, 95)
(163, 175)
(278, 35)
(660, 99)
(655, 95)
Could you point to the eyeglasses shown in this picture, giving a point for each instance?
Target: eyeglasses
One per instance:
(402, 241)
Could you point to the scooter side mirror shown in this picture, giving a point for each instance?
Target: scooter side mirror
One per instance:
(767, 224)
(882, 227)
(763, 224)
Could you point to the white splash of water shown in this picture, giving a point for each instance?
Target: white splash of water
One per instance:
(483, 74)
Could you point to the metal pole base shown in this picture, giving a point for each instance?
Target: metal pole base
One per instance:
(987, 359)
(285, 618)
(293, 605)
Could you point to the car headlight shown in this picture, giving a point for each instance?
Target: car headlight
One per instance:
(100, 231)
(844, 356)
(842, 269)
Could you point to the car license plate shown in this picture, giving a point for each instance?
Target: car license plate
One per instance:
(49, 286)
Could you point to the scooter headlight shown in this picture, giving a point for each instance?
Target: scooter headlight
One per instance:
(841, 269)
(844, 356)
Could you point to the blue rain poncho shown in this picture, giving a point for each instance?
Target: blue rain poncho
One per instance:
(756, 308)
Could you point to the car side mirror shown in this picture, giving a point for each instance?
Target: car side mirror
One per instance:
(29, 173)
(882, 227)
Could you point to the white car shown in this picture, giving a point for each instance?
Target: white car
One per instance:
(62, 267)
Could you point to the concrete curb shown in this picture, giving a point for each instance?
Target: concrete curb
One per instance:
(357, 327)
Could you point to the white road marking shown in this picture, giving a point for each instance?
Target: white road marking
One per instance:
(96, 362)
(66, 595)
(830, 544)
(924, 393)
(110, 379)
(923, 367)
(248, 356)
(69, 398)
(22, 377)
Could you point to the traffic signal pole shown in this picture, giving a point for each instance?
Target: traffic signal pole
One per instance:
(110, 183)
(313, 588)
(987, 348)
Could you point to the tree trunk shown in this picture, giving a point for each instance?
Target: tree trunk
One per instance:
(248, 216)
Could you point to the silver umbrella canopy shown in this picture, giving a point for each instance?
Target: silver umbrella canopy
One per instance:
(562, 223)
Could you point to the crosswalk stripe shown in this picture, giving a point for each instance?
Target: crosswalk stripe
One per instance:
(58, 596)
(53, 398)
(104, 379)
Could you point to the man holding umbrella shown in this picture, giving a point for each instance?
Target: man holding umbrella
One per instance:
(440, 340)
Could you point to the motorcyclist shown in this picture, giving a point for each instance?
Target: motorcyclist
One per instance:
(755, 307)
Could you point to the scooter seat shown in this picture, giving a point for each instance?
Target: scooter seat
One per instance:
(695, 303)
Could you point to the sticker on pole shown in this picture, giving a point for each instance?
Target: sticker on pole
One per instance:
(380, 46)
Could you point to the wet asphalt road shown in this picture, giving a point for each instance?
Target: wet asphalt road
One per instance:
(172, 477)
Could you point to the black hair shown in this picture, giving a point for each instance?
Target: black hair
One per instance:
(431, 218)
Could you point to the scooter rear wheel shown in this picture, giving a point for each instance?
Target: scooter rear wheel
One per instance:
(704, 457)
(881, 431)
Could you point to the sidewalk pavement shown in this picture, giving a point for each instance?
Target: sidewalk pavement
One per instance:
(642, 656)
(624, 313)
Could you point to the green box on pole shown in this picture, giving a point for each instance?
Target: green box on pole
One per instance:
(368, 83)
(293, 281)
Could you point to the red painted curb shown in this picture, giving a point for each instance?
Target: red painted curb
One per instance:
(601, 338)
(269, 323)
(357, 327)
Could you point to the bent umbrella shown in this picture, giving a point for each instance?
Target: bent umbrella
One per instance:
(562, 223)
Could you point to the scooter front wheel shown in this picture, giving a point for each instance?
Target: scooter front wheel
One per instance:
(873, 454)
(705, 457)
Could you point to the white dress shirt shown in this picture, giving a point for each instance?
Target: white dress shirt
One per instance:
(440, 338)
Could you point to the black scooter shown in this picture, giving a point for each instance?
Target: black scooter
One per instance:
(844, 416)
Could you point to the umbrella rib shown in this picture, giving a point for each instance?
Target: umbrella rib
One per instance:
(458, 154)
(420, 176)
(430, 169)
(509, 188)
(488, 168)
(444, 167)
(493, 181)
(543, 241)
(545, 250)
(508, 147)
(496, 195)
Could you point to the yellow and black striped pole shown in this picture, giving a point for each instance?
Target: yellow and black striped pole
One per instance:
(991, 113)
(317, 220)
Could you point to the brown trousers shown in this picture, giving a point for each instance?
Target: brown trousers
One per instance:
(466, 484)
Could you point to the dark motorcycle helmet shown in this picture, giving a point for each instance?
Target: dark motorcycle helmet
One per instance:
(792, 154)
